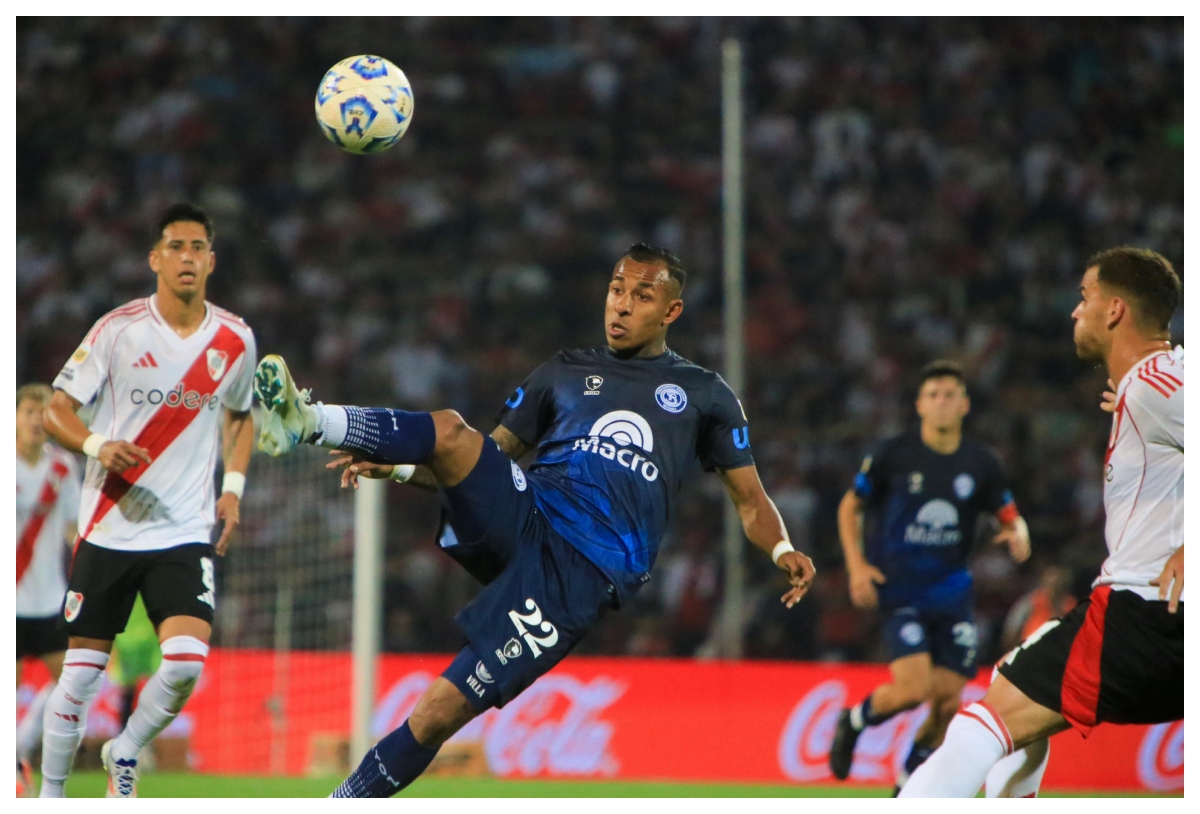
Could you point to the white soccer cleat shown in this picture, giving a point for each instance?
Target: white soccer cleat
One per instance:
(288, 418)
(122, 774)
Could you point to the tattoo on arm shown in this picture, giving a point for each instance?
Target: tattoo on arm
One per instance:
(511, 445)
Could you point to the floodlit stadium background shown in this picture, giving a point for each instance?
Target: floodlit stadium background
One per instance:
(915, 189)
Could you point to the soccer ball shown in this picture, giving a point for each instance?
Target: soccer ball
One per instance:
(364, 104)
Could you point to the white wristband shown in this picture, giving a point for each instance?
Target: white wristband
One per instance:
(91, 447)
(402, 472)
(781, 548)
(234, 482)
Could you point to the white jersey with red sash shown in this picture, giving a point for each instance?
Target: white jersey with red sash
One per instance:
(47, 501)
(1143, 475)
(164, 393)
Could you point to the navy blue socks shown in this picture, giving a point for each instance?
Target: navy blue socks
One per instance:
(917, 756)
(863, 716)
(385, 436)
(389, 765)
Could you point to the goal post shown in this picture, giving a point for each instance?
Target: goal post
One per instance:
(368, 608)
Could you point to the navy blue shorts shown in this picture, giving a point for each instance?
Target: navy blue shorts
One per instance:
(541, 594)
(949, 637)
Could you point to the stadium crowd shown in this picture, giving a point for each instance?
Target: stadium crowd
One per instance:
(915, 189)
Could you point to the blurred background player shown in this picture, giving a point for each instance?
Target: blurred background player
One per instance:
(159, 368)
(926, 491)
(1050, 599)
(47, 509)
(1118, 656)
(615, 428)
(135, 656)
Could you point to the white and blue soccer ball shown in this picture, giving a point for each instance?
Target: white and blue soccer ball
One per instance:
(364, 104)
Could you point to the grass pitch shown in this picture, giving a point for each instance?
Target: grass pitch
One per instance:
(167, 784)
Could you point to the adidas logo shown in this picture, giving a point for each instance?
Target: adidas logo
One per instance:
(146, 361)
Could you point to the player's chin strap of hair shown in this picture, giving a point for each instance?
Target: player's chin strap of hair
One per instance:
(781, 548)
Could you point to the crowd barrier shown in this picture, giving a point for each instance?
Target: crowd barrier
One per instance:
(645, 719)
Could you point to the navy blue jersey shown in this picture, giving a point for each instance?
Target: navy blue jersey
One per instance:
(614, 439)
(925, 507)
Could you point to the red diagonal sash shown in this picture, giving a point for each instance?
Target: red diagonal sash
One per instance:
(168, 422)
(45, 505)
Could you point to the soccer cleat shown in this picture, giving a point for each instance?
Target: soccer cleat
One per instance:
(841, 753)
(288, 418)
(25, 786)
(122, 774)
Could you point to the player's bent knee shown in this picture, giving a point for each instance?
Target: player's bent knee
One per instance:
(182, 662)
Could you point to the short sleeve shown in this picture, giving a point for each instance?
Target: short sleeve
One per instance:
(873, 475)
(724, 441)
(530, 409)
(240, 395)
(87, 370)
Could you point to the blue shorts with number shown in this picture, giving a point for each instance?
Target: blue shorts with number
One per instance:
(541, 594)
(948, 636)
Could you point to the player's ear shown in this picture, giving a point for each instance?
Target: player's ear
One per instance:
(674, 309)
(153, 259)
(1117, 309)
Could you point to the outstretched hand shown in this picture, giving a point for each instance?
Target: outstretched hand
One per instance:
(800, 571)
(353, 466)
(229, 511)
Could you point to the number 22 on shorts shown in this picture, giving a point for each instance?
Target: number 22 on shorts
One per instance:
(534, 619)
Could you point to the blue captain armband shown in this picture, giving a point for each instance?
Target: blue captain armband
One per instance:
(862, 485)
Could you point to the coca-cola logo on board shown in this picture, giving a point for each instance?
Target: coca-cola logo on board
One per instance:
(1160, 758)
(555, 727)
(880, 752)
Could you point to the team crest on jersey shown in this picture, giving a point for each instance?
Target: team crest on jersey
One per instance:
(217, 360)
(912, 633)
(964, 486)
(73, 605)
(591, 385)
(916, 482)
(79, 355)
(518, 477)
(671, 398)
(512, 649)
(483, 674)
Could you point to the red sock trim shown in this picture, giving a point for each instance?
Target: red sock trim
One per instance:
(183, 657)
(84, 664)
(999, 725)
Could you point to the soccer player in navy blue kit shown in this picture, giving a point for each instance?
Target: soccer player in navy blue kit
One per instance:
(615, 430)
(926, 490)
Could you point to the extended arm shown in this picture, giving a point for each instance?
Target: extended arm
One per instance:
(862, 575)
(764, 527)
(67, 428)
(237, 440)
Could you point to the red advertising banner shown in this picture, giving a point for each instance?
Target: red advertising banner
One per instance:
(651, 719)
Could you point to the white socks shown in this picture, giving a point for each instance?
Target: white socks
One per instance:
(66, 715)
(29, 732)
(1020, 774)
(163, 696)
(332, 426)
(975, 741)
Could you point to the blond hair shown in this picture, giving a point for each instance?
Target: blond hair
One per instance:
(35, 391)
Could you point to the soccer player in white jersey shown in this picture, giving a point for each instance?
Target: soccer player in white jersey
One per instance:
(171, 376)
(1118, 656)
(47, 508)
